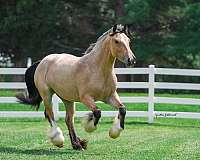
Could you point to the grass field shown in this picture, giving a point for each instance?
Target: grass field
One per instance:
(166, 139)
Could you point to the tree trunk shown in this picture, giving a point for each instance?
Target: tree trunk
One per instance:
(119, 9)
(119, 13)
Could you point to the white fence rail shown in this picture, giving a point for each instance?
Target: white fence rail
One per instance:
(151, 85)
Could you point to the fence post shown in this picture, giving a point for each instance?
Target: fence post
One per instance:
(151, 93)
(56, 107)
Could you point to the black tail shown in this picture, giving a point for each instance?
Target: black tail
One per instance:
(33, 97)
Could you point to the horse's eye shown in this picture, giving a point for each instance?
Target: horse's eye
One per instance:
(116, 41)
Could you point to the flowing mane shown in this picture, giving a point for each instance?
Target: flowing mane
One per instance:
(93, 46)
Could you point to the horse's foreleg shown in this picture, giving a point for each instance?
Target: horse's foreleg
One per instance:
(118, 124)
(91, 120)
(55, 134)
(76, 142)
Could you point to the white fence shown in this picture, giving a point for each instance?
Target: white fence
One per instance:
(151, 85)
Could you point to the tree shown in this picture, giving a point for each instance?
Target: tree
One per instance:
(37, 28)
(166, 31)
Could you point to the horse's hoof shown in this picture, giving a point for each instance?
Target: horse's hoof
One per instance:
(77, 147)
(114, 132)
(83, 143)
(116, 129)
(56, 136)
(90, 127)
(88, 123)
(80, 145)
(60, 145)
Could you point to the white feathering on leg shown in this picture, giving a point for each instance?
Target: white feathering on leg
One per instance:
(88, 123)
(116, 129)
(56, 136)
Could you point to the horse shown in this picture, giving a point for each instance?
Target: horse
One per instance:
(85, 79)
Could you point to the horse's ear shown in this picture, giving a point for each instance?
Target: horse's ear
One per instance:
(125, 30)
(114, 28)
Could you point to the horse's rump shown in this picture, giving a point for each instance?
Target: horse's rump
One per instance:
(56, 72)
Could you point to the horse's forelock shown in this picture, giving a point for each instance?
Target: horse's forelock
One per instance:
(119, 28)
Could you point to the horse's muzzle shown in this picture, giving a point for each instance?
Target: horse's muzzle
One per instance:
(131, 61)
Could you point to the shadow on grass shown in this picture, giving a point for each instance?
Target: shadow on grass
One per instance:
(175, 125)
(38, 152)
(109, 121)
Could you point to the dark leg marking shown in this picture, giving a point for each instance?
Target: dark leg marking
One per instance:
(97, 116)
(121, 116)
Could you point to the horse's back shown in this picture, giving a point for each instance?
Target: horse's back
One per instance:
(59, 59)
(56, 62)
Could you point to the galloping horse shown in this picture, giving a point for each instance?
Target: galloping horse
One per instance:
(83, 79)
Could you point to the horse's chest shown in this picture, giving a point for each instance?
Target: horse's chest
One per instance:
(103, 90)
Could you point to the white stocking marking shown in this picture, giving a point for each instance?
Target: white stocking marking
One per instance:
(116, 129)
(88, 124)
(56, 136)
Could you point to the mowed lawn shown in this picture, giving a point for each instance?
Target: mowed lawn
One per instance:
(166, 139)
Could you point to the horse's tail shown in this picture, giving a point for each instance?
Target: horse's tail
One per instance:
(33, 97)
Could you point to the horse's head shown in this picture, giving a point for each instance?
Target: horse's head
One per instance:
(120, 47)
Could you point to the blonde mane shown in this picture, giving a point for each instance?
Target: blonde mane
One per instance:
(93, 46)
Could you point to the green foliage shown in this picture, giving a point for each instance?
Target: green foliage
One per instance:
(37, 28)
(166, 32)
(138, 12)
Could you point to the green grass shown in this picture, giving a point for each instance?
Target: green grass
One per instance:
(166, 139)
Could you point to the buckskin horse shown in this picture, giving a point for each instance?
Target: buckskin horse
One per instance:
(83, 79)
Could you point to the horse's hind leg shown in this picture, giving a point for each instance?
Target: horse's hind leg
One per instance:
(55, 134)
(76, 142)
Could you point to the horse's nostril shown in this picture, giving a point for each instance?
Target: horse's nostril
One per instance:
(134, 59)
(130, 62)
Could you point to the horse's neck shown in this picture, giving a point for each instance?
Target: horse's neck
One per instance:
(103, 59)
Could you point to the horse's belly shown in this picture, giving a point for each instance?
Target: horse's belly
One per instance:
(65, 88)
